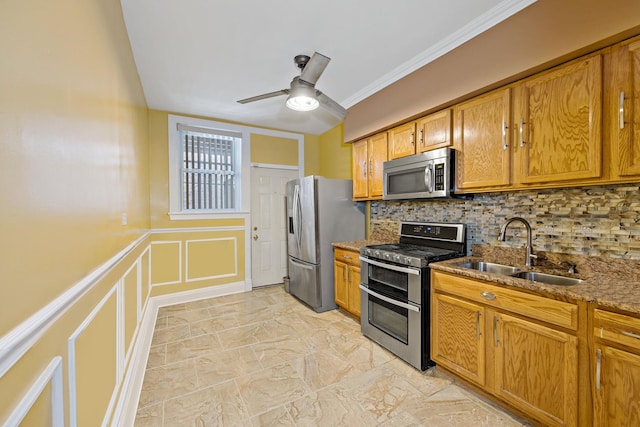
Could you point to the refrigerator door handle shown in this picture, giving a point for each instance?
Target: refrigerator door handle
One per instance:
(306, 267)
(296, 215)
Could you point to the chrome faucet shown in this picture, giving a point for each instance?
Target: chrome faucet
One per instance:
(529, 248)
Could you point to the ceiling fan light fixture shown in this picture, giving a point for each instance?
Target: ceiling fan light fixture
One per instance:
(302, 102)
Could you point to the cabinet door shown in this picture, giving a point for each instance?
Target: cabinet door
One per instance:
(354, 290)
(536, 369)
(560, 125)
(340, 280)
(482, 139)
(617, 384)
(457, 337)
(402, 141)
(359, 169)
(434, 131)
(624, 107)
(377, 152)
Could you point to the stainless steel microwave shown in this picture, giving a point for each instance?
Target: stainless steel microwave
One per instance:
(420, 176)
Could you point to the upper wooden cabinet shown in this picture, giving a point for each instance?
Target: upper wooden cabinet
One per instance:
(558, 117)
(368, 156)
(402, 140)
(623, 108)
(434, 131)
(482, 141)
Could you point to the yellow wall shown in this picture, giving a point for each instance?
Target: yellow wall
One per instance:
(79, 148)
(312, 155)
(73, 147)
(73, 158)
(274, 150)
(335, 155)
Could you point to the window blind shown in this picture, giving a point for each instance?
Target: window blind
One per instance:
(209, 175)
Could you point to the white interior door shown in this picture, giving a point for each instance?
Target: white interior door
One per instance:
(268, 224)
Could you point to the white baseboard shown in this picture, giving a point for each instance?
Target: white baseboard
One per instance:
(127, 406)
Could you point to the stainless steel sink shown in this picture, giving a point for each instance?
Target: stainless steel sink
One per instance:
(549, 279)
(489, 267)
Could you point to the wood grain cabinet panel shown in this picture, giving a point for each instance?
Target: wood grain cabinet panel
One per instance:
(483, 141)
(434, 131)
(359, 169)
(536, 369)
(624, 108)
(559, 123)
(368, 155)
(402, 141)
(457, 338)
(616, 369)
(346, 279)
(500, 339)
(617, 394)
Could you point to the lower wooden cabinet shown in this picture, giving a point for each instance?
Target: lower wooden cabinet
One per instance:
(536, 369)
(483, 334)
(346, 275)
(616, 369)
(460, 345)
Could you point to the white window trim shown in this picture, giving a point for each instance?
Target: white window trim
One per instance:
(175, 155)
(175, 201)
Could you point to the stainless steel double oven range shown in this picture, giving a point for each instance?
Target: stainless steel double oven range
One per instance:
(395, 285)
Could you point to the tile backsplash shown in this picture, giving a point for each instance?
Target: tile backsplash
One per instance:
(595, 221)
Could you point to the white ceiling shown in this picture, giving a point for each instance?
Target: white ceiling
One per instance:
(199, 57)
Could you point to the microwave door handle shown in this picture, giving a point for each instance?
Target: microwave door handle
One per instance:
(428, 177)
(390, 300)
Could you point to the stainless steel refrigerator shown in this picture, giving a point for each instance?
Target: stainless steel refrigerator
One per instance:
(319, 211)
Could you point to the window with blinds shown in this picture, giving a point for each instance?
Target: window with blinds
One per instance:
(209, 169)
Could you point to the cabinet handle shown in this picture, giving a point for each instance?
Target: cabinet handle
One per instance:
(346, 256)
(522, 123)
(504, 135)
(631, 334)
(478, 324)
(421, 137)
(488, 295)
(621, 111)
(364, 169)
(411, 138)
(598, 365)
(495, 331)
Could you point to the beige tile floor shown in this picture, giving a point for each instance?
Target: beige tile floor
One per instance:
(263, 358)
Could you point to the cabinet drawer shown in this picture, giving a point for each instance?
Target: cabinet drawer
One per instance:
(616, 327)
(346, 256)
(541, 308)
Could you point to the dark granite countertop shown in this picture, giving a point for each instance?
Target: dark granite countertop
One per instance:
(613, 283)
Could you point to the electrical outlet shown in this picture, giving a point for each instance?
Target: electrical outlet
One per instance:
(124, 218)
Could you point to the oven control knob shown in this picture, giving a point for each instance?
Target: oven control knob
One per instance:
(376, 253)
(396, 258)
(407, 260)
(386, 256)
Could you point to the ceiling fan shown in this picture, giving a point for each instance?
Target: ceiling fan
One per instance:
(303, 95)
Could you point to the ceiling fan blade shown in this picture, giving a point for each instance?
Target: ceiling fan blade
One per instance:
(264, 96)
(331, 105)
(314, 68)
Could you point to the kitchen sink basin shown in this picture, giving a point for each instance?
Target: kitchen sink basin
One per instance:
(549, 279)
(489, 267)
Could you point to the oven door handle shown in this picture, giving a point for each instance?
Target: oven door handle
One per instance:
(391, 300)
(391, 266)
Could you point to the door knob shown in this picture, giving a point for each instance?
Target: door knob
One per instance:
(255, 237)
